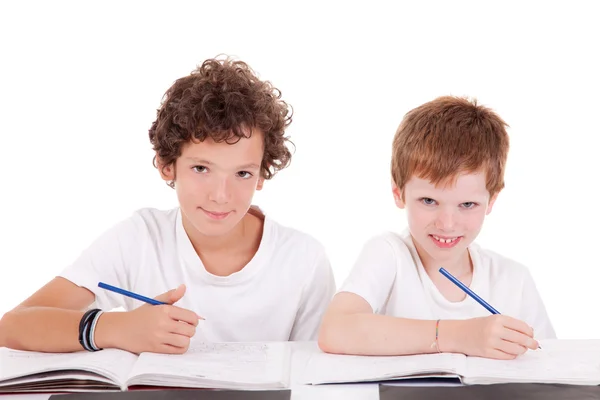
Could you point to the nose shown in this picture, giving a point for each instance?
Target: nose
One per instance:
(445, 220)
(219, 191)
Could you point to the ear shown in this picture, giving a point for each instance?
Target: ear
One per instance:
(491, 204)
(167, 172)
(260, 183)
(398, 196)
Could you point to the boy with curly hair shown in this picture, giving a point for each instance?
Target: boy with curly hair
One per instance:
(448, 160)
(218, 135)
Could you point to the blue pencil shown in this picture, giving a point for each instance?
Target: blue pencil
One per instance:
(129, 294)
(470, 292)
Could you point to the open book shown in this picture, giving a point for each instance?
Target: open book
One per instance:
(575, 362)
(206, 365)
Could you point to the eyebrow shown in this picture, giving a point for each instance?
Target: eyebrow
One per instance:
(206, 162)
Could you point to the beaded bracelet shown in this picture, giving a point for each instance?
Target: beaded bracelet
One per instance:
(435, 344)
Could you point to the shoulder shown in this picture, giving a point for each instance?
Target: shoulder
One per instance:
(145, 222)
(384, 257)
(298, 258)
(294, 251)
(391, 244)
(500, 266)
(285, 239)
(153, 217)
(384, 254)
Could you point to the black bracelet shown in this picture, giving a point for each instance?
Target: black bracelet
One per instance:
(85, 326)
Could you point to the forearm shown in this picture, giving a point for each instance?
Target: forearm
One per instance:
(41, 329)
(45, 329)
(372, 334)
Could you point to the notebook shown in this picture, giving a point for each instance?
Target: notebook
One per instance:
(529, 391)
(192, 394)
(575, 362)
(206, 365)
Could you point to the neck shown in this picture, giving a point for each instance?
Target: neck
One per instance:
(217, 244)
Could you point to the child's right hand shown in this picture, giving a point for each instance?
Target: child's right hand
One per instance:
(497, 336)
(157, 329)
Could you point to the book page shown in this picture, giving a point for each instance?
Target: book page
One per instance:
(71, 381)
(332, 368)
(558, 361)
(110, 363)
(217, 365)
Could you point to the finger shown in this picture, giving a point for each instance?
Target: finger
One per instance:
(172, 296)
(168, 349)
(519, 338)
(500, 355)
(164, 297)
(181, 314)
(182, 329)
(177, 294)
(517, 325)
(511, 348)
(176, 340)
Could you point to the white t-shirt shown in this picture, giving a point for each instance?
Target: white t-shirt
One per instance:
(389, 275)
(280, 295)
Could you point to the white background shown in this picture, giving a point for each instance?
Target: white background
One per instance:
(80, 83)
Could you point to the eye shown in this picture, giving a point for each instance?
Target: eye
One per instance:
(427, 201)
(468, 205)
(200, 169)
(244, 174)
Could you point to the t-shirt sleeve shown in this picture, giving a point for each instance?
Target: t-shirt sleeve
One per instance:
(373, 274)
(534, 311)
(108, 259)
(316, 296)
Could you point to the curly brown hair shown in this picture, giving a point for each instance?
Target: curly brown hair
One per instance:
(223, 99)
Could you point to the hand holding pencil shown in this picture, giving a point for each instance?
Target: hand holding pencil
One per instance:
(497, 336)
(158, 326)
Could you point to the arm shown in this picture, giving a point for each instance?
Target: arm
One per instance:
(352, 324)
(350, 327)
(48, 320)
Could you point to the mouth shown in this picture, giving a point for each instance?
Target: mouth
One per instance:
(445, 242)
(216, 215)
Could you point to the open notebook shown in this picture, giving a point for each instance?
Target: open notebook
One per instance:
(575, 362)
(209, 365)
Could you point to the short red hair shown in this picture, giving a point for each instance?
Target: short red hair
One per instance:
(447, 136)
